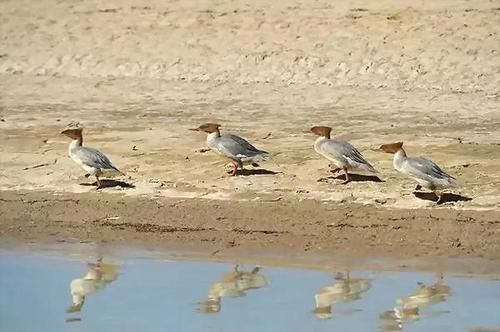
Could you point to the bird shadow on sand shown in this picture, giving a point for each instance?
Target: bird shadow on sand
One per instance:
(354, 178)
(256, 171)
(447, 197)
(109, 184)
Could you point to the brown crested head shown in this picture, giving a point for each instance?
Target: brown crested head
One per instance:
(75, 133)
(390, 148)
(322, 131)
(208, 128)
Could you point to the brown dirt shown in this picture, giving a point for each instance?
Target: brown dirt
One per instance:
(221, 227)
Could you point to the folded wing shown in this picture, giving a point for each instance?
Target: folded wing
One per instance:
(342, 149)
(94, 158)
(236, 147)
(427, 170)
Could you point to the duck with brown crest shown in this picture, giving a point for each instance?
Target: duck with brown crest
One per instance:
(236, 283)
(233, 147)
(409, 308)
(424, 171)
(94, 162)
(341, 153)
(345, 289)
(99, 275)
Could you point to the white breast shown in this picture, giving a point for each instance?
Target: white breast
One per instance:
(73, 148)
(318, 147)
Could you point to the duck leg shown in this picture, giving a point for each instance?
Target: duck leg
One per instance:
(99, 183)
(347, 177)
(335, 171)
(235, 169)
(439, 195)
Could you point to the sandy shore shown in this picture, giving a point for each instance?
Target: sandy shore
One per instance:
(137, 75)
(150, 141)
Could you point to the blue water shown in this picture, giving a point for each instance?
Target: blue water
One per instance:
(148, 294)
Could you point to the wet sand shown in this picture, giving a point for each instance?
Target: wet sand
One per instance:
(231, 227)
(138, 75)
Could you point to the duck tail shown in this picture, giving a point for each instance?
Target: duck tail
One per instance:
(369, 168)
(261, 156)
(453, 182)
(116, 171)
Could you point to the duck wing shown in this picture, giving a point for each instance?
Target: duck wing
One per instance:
(95, 158)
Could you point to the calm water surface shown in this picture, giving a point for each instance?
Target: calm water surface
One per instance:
(57, 292)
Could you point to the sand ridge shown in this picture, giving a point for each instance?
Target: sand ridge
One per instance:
(450, 45)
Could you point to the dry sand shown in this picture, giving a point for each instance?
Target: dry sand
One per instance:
(138, 74)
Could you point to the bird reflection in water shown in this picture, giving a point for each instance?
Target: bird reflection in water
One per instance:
(408, 308)
(232, 284)
(345, 289)
(98, 276)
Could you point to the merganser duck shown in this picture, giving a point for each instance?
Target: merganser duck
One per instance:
(94, 162)
(236, 148)
(96, 279)
(233, 284)
(341, 153)
(408, 308)
(345, 290)
(424, 171)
